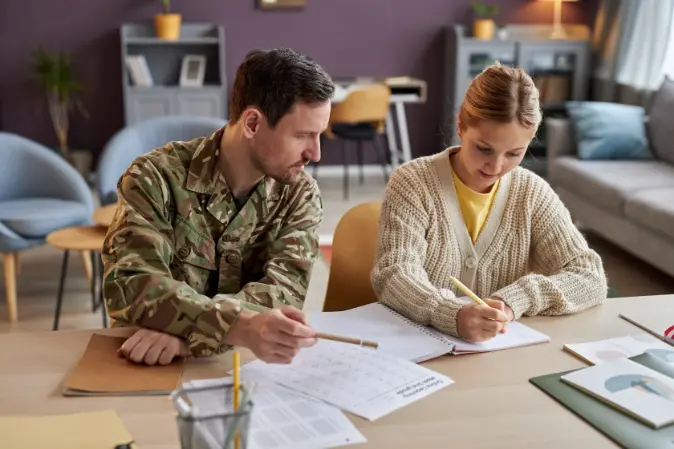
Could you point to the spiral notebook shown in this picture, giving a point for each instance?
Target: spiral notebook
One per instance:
(397, 335)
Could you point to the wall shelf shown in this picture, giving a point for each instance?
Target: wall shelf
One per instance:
(164, 58)
(560, 68)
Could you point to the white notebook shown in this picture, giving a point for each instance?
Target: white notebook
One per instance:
(399, 336)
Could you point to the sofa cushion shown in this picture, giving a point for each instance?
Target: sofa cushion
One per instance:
(654, 209)
(37, 217)
(609, 184)
(606, 130)
(660, 129)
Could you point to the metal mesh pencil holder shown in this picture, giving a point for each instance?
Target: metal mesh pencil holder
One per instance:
(208, 429)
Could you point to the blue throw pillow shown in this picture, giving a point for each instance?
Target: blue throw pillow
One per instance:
(609, 130)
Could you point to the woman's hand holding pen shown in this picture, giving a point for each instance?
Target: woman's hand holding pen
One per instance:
(478, 323)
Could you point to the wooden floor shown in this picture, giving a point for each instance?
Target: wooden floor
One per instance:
(40, 272)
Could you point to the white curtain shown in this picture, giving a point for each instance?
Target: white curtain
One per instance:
(642, 66)
(668, 63)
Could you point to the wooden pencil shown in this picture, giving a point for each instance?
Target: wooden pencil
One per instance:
(468, 292)
(237, 386)
(355, 341)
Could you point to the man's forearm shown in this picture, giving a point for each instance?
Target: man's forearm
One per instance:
(158, 302)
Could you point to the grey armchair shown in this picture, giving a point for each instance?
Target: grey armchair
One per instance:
(39, 193)
(133, 141)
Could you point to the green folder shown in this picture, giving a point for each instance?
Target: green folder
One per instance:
(616, 425)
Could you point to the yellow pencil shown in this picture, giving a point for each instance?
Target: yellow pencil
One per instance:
(237, 382)
(468, 292)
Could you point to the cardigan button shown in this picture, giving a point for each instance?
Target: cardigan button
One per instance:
(471, 262)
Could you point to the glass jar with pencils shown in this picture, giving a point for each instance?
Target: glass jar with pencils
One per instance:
(211, 416)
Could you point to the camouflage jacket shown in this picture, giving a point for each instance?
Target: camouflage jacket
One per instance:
(179, 258)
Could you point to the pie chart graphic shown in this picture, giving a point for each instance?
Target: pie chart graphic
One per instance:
(639, 381)
(663, 354)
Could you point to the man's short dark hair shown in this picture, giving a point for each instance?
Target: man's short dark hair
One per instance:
(274, 80)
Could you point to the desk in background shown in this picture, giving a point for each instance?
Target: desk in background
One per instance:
(404, 90)
(492, 403)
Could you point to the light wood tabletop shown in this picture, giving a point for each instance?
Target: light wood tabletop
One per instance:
(78, 238)
(490, 405)
(103, 215)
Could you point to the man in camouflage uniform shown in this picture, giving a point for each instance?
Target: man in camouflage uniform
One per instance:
(214, 239)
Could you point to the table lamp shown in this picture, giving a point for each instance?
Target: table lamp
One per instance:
(557, 28)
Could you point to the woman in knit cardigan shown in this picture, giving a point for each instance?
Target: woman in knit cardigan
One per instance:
(471, 212)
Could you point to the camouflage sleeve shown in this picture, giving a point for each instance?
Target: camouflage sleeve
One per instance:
(291, 256)
(138, 286)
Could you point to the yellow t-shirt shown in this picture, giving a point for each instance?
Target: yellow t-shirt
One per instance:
(475, 206)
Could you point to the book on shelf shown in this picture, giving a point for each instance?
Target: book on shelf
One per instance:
(139, 70)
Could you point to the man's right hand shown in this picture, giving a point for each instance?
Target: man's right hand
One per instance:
(274, 336)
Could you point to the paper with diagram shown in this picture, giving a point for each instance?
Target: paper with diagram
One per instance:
(622, 347)
(637, 390)
(359, 380)
(281, 419)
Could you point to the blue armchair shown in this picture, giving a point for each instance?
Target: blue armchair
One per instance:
(39, 193)
(136, 140)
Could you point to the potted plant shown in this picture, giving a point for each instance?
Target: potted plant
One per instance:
(483, 24)
(167, 24)
(54, 73)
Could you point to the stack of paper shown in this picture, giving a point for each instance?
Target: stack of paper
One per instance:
(281, 419)
(362, 381)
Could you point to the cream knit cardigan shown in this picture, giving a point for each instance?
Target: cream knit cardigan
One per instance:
(529, 252)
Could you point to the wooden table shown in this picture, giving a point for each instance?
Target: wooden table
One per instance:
(491, 405)
(103, 215)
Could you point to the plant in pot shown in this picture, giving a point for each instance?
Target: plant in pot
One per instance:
(55, 74)
(483, 24)
(167, 24)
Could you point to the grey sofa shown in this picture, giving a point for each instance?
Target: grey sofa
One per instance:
(628, 202)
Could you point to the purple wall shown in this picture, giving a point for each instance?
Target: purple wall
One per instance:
(386, 38)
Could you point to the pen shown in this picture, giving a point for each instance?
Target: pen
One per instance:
(355, 341)
(650, 331)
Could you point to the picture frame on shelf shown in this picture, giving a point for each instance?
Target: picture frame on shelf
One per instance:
(192, 71)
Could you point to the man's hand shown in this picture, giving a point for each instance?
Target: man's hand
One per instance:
(152, 347)
(274, 336)
(480, 323)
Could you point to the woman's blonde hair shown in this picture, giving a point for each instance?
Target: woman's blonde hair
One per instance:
(502, 94)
